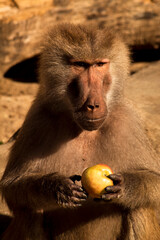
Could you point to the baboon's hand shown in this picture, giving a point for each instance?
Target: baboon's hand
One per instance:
(69, 194)
(115, 191)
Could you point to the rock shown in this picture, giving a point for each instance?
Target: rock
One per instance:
(4, 152)
(143, 89)
(15, 100)
(22, 23)
(135, 67)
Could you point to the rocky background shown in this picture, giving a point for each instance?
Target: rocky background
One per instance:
(23, 24)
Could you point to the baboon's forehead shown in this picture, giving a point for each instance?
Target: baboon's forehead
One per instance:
(82, 41)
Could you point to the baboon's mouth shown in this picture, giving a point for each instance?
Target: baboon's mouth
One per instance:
(94, 120)
(91, 124)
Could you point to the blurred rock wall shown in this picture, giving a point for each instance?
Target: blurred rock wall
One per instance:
(22, 23)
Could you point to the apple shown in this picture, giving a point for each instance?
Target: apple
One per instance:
(94, 180)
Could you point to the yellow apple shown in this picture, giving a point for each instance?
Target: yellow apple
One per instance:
(94, 179)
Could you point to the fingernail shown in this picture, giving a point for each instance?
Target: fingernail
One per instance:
(83, 200)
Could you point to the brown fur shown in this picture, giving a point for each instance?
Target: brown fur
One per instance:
(56, 142)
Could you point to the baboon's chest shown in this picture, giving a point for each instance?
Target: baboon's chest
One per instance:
(75, 156)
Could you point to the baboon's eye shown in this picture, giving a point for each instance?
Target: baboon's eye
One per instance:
(81, 64)
(100, 64)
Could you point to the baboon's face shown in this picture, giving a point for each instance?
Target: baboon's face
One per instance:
(82, 71)
(87, 91)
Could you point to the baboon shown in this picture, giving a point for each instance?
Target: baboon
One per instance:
(80, 118)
